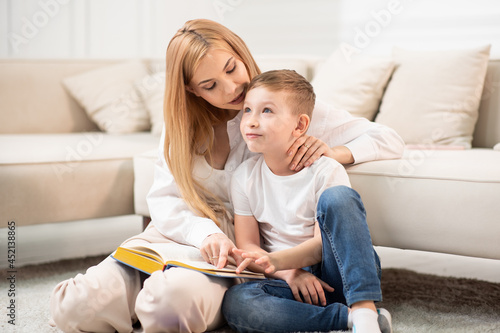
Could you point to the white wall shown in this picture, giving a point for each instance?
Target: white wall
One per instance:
(137, 28)
(142, 28)
(374, 26)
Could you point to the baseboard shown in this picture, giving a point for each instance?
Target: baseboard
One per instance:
(42, 243)
(440, 264)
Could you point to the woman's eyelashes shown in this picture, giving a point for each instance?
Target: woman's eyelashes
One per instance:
(232, 69)
(211, 87)
(228, 72)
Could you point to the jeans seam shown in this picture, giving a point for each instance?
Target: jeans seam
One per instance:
(372, 296)
(238, 327)
(337, 259)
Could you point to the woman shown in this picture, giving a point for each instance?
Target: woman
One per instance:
(208, 69)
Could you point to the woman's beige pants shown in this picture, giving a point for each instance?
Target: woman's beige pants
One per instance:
(109, 297)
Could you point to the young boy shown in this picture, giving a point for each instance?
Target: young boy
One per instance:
(276, 225)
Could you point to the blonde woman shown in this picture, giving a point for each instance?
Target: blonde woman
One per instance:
(208, 70)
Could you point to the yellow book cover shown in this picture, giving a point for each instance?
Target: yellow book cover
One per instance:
(151, 257)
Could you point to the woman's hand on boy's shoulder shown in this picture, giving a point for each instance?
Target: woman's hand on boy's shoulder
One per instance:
(305, 151)
(308, 149)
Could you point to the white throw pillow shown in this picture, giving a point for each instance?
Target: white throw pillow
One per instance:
(267, 63)
(433, 96)
(497, 147)
(152, 91)
(355, 85)
(108, 96)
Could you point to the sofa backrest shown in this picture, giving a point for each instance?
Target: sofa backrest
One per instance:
(487, 131)
(33, 99)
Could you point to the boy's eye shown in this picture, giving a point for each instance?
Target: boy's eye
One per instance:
(247, 110)
(267, 110)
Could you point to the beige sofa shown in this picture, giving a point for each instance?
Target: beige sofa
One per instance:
(57, 169)
(435, 198)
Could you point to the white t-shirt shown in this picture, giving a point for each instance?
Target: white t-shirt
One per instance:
(171, 214)
(284, 206)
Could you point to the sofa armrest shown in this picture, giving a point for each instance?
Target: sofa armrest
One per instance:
(144, 164)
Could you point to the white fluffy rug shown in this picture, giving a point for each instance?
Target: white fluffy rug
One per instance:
(417, 302)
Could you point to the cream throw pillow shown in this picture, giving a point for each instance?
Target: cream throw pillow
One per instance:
(355, 85)
(152, 91)
(433, 97)
(108, 96)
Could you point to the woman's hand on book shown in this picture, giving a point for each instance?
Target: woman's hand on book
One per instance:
(216, 248)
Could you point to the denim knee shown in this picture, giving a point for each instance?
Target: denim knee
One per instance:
(339, 200)
(238, 308)
(234, 299)
(337, 197)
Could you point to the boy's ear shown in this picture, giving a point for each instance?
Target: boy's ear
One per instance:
(302, 124)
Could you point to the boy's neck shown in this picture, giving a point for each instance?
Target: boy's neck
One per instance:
(279, 164)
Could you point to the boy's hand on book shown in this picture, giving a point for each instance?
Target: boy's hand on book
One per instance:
(262, 259)
(216, 248)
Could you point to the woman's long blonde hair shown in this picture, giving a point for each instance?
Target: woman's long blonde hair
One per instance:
(189, 119)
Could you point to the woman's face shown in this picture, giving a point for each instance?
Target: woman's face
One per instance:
(221, 79)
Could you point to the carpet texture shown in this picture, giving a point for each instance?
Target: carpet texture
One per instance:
(417, 302)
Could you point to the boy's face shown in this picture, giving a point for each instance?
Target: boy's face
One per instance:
(268, 123)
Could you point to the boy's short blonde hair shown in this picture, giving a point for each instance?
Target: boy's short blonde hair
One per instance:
(300, 93)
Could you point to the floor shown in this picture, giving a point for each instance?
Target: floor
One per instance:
(441, 264)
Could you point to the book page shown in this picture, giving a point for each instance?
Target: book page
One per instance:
(180, 255)
(171, 251)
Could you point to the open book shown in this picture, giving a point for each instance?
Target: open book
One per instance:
(151, 257)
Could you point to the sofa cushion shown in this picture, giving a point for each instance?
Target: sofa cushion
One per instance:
(151, 89)
(301, 65)
(433, 96)
(109, 97)
(355, 85)
(144, 167)
(66, 177)
(433, 200)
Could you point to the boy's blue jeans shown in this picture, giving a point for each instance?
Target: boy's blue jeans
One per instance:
(349, 264)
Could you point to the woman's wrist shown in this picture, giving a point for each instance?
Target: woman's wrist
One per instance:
(341, 154)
